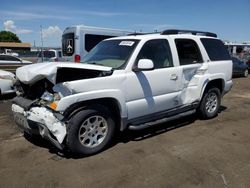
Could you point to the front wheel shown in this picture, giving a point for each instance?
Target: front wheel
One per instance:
(90, 130)
(210, 103)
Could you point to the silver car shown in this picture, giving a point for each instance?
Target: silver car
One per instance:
(7, 80)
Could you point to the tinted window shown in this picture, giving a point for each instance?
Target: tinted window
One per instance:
(8, 58)
(158, 51)
(216, 50)
(68, 44)
(92, 40)
(188, 51)
(2, 57)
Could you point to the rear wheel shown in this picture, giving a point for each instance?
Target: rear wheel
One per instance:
(90, 130)
(210, 103)
(246, 73)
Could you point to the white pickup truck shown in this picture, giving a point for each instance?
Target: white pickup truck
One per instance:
(130, 82)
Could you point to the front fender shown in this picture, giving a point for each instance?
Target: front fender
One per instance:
(66, 102)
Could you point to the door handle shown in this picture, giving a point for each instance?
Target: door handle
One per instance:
(173, 77)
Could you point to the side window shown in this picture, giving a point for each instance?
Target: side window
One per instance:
(188, 51)
(11, 58)
(158, 51)
(92, 40)
(2, 57)
(216, 50)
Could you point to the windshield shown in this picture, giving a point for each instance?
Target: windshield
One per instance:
(111, 53)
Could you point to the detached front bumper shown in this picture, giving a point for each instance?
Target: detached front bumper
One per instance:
(41, 121)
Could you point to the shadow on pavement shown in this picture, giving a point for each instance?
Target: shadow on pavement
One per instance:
(123, 137)
(7, 96)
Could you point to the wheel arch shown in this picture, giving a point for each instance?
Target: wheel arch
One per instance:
(111, 103)
(218, 83)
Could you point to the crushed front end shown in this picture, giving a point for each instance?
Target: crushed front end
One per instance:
(34, 112)
(40, 89)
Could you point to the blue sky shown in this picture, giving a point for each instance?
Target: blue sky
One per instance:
(230, 19)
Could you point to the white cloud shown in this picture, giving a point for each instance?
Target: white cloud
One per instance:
(9, 25)
(52, 31)
(17, 15)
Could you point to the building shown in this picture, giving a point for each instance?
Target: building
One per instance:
(236, 48)
(14, 46)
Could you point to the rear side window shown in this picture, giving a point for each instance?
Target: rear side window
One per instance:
(68, 46)
(92, 40)
(188, 51)
(216, 50)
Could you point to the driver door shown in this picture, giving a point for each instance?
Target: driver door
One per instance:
(153, 91)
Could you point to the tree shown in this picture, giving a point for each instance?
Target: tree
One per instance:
(7, 36)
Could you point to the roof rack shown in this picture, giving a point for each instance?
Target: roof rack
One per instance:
(135, 33)
(131, 34)
(176, 31)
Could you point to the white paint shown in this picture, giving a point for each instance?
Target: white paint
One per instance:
(7, 80)
(138, 93)
(31, 73)
(45, 117)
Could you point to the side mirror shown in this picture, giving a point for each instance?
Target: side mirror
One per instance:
(144, 65)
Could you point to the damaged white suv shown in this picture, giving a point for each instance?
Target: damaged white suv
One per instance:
(129, 82)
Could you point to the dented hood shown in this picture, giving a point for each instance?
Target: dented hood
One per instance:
(30, 74)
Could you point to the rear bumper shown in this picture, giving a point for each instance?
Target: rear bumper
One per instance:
(40, 121)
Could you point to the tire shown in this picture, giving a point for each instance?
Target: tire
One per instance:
(245, 73)
(210, 103)
(90, 130)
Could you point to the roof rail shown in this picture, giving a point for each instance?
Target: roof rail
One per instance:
(177, 31)
(135, 33)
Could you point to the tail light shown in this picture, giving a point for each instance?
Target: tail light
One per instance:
(77, 58)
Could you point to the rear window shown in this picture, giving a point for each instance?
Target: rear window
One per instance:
(92, 40)
(216, 50)
(68, 46)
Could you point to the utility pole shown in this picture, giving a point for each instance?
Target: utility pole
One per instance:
(41, 41)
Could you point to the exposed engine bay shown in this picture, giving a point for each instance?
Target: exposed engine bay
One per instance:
(39, 89)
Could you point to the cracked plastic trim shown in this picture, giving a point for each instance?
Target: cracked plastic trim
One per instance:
(45, 117)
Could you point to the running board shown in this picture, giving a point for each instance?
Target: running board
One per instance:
(163, 120)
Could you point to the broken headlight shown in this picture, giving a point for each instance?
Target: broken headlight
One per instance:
(50, 99)
(47, 96)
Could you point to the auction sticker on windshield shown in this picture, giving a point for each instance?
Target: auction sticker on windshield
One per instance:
(126, 43)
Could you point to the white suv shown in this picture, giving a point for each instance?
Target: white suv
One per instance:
(125, 82)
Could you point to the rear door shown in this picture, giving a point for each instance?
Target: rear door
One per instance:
(190, 61)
